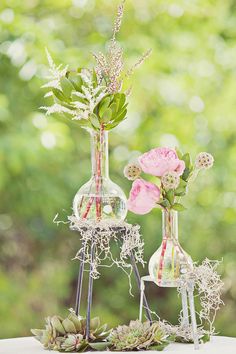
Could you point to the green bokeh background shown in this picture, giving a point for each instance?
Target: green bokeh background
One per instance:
(184, 95)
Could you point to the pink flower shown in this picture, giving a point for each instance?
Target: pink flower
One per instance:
(143, 196)
(158, 161)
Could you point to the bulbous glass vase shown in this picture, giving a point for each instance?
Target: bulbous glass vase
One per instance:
(170, 260)
(100, 198)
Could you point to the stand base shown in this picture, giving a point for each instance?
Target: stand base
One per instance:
(90, 291)
(187, 296)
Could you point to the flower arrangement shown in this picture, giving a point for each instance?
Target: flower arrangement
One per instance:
(174, 172)
(94, 98)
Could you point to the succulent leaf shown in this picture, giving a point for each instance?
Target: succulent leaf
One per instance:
(69, 325)
(56, 323)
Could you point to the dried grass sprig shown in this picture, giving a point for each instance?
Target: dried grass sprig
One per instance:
(118, 20)
(110, 66)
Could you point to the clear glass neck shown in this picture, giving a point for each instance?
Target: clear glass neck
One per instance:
(170, 224)
(99, 154)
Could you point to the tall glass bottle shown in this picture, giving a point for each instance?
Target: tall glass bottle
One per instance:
(170, 260)
(100, 198)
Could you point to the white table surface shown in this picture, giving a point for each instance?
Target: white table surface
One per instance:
(28, 345)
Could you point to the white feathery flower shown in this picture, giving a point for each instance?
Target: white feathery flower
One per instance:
(81, 115)
(86, 76)
(56, 73)
(52, 84)
(57, 108)
(80, 105)
(78, 94)
(48, 94)
(87, 93)
(50, 60)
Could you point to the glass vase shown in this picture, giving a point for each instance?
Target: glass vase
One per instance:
(100, 198)
(170, 260)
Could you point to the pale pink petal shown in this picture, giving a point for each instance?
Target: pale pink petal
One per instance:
(143, 197)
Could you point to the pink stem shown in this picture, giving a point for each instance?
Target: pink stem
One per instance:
(90, 202)
(98, 183)
(98, 177)
(163, 250)
(161, 265)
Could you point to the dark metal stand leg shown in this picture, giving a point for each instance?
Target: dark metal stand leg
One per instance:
(90, 294)
(138, 279)
(79, 285)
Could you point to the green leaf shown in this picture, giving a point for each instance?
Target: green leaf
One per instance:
(113, 107)
(66, 86)
(74, 97)
(76, 80)
(94, 120)
(158, 347)
(107, 115)
(180, 194)
(186, 174)
(178, 207)
(165, 203)
(181, 189)
(99, 345)
(104, 104)
(170, 195)
(59, 95)
(116, 122)
(122, 99)
(186, 158)
(179, 153)
(121, 116)
(205, 338)
(95, 81)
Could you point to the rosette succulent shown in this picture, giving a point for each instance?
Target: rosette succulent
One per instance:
(69, 334)
(138, 336)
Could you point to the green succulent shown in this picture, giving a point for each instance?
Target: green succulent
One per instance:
(138, 336)
(73, 343)
(69, 334)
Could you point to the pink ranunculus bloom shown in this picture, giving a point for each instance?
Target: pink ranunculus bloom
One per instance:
(143, 197)
(158, 161)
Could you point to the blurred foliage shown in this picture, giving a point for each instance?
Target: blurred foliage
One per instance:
(184, 95)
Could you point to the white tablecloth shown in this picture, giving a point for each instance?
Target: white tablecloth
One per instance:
(28, 345)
